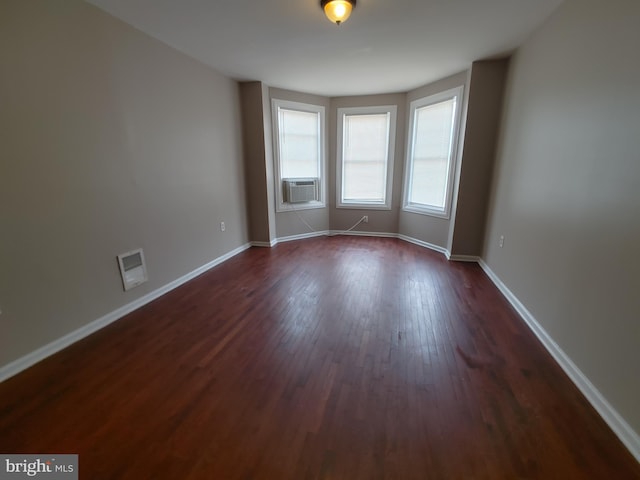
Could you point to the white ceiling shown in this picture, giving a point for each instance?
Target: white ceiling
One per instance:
(386, 45)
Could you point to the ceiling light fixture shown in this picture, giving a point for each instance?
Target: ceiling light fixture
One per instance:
(337, 10)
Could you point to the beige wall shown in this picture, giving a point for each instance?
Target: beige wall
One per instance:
(566, 191)
(486, 88)
(110, 141)
(256, 138)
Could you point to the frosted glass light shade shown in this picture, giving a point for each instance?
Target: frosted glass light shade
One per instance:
(338, 10)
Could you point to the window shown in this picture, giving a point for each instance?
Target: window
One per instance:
(299, 148)
(434, 125)
(366, 142)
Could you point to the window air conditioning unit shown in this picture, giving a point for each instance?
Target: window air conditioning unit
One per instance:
(300, 190)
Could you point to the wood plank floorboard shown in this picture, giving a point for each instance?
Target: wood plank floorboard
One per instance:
(328, 358)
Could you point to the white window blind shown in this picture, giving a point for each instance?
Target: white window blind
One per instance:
(364, 160)
(431, 153)
(299, 140)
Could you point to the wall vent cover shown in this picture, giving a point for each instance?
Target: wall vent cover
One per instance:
(132, 268)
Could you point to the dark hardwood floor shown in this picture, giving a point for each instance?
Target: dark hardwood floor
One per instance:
(337, 358)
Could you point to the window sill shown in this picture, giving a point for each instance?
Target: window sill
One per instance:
(364, 206)
(427, 212)
(291, 207)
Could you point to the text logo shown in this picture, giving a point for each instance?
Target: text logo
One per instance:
(50, 467)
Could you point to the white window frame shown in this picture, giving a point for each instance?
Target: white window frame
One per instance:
(407, 206)
(392, 111)
(281, 205)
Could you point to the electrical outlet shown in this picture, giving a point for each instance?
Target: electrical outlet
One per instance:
(501, 241)
(365, 219)
(223, 227)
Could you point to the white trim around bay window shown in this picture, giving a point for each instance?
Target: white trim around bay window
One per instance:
(434, 126)
(364, 160)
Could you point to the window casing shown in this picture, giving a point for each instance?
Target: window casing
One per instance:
(434, 124)
(299, 139)
(365, 147)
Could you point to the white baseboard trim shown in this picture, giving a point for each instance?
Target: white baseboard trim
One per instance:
(270, 244)
(36, 356)
(463, 258)
(430, 246)
(620, 427)
(302, 236)
(359, 233)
